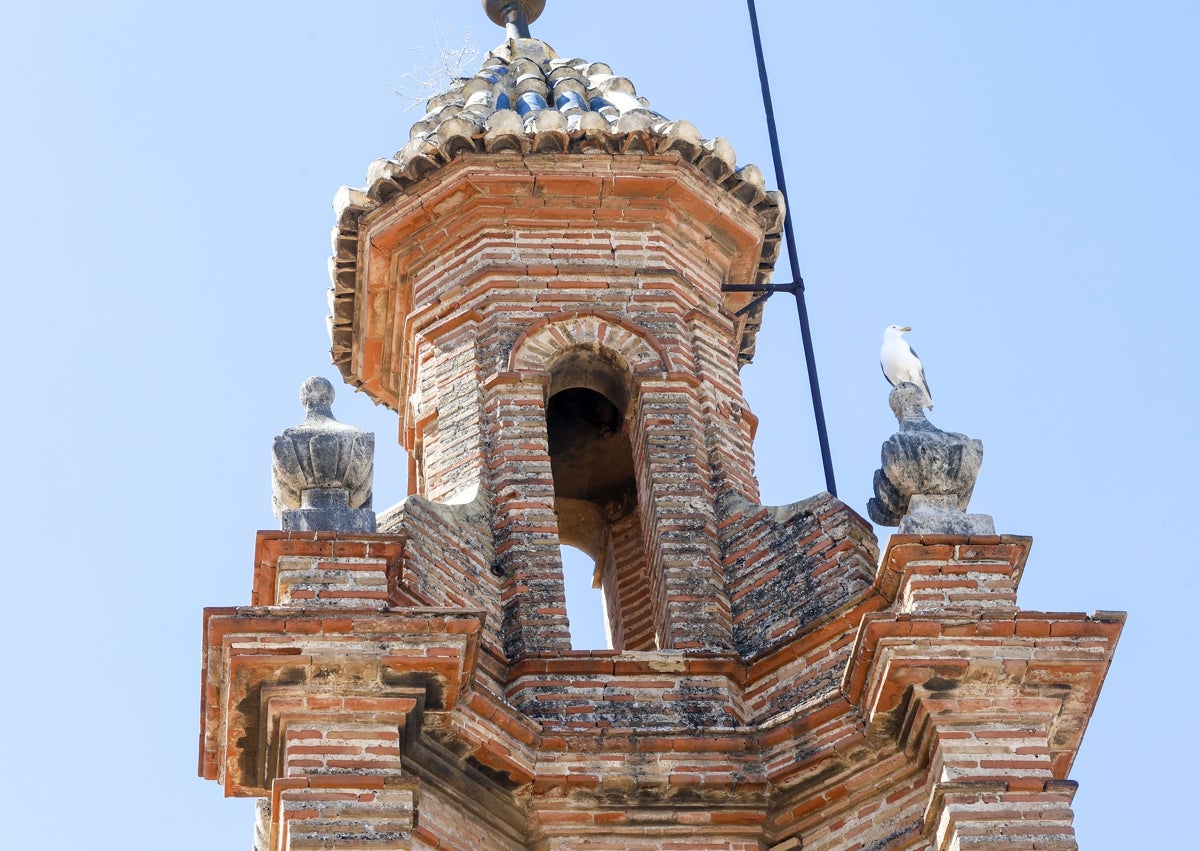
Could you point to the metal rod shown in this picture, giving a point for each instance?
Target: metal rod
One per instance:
(798, 285)
(758, 288)
(752, 304)
(515, 22)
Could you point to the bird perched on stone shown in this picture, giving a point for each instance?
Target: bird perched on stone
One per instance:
(900, 363)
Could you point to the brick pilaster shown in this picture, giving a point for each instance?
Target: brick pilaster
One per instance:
(624, 580)
(728, 423)
(341, 780)
(366, 813)
(992, 784)
(534, 608)
(676, 500)
(452, 438)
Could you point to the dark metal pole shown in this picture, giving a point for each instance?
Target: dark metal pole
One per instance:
(798, 282)
(514, 15)
(515, 23)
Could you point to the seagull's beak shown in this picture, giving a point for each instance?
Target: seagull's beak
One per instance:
(905, 328)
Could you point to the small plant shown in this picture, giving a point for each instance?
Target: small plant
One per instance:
(438, 66)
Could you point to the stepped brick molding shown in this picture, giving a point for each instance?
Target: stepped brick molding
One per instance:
(925, 711)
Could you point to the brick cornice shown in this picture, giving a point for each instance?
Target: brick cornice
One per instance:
(362, 656)
(1024, 655)
(413, 241)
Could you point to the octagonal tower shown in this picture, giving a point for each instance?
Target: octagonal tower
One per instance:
(534, 284)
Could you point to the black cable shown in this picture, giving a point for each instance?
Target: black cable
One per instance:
(798, 282)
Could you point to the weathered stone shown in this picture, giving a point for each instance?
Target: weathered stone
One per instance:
(927, 475)
(322, 469)
(940, 515)
(262, 824)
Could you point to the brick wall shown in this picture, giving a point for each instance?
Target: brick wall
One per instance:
(774, 683)
(473, 290)
(792, 566)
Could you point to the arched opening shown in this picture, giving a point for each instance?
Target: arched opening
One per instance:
(585, 603)
(595, 487)
(590, 454)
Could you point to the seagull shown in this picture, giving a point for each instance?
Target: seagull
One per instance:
(900, 363)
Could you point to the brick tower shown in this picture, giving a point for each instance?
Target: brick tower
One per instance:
(533, 284)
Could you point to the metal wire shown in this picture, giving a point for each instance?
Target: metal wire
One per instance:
(797, 286)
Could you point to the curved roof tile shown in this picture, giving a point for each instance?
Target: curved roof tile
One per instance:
(524, 98)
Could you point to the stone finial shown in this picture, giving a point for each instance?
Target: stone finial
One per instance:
(927, 475)
(322, 469)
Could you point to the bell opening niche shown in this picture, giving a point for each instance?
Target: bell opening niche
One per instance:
(595, 485)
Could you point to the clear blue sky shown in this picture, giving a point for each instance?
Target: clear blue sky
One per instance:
(1017, 180)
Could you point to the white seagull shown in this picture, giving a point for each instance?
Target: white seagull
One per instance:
(900, 363)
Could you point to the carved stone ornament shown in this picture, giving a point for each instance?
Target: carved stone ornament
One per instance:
(322, 471)
(927, 475)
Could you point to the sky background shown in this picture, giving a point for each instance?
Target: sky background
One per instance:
(1017, 180)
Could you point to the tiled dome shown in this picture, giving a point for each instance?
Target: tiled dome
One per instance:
(525, 99)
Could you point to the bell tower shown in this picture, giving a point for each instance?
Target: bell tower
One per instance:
(533, 283)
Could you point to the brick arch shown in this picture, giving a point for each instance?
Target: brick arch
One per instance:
(541, 343)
